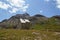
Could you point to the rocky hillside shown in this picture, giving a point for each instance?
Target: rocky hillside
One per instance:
(15, 22)
(25, 21)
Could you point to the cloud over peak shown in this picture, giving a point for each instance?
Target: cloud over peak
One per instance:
(15, 5)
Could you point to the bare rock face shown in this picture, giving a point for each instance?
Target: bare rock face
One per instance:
(14, 21)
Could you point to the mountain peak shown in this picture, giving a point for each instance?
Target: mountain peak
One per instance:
(38, 15)
(57, 16)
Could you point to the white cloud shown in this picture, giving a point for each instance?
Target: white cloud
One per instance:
(58, 6)
(15, 5)
(46, 0)
(25, 7)
(13, 10)
(58, 3)
(41, 11)
(4, 6)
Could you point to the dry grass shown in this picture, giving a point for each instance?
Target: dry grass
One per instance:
(15, 34)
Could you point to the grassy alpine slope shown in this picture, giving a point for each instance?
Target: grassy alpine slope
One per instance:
(40, 29)
(15, 34)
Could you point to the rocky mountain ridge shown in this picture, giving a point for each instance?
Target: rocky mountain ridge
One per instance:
(15, 22)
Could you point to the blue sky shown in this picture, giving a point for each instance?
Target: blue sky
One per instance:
(47, 8)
